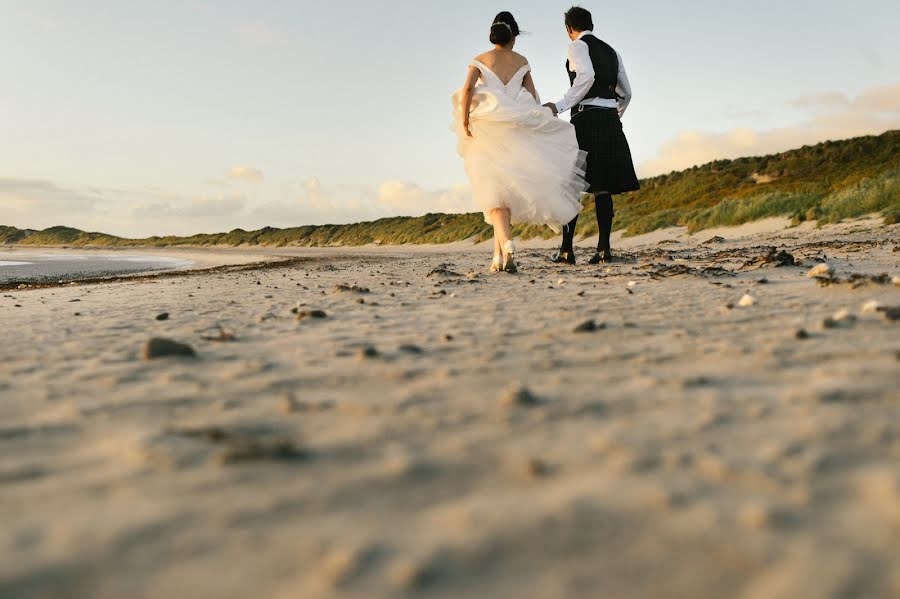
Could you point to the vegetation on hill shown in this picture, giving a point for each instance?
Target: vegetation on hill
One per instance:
(827, 182)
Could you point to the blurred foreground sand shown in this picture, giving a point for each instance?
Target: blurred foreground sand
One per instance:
(448, 433)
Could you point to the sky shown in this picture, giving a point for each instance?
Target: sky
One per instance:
(186, 116)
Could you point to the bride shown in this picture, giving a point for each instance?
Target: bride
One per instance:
(523, 163)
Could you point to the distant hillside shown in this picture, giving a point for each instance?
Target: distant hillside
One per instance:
(827, 182)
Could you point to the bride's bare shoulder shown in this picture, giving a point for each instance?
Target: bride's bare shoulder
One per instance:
(521, 58)
(485, 56)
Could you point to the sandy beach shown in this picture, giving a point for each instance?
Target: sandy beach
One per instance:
(699, 419)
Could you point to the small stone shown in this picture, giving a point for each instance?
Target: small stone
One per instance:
(747, 301)
(821, 271)
(896, 281)
(632, 284)
(307, 314)
(360, 301)
(536, 468)
(224, 335)
(801, 334)
(518, 396)
(891, 313)
(162, 348)
(561, 282)
(580, 294)
(411, 349)
(448, 337)
(342, 288)
(841, 318)
(872, 307)
(589, 326)
(163, 316)
(762, 281)
(367, 352)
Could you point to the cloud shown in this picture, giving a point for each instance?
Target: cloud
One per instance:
(831, 116)
(245, 173)
(262, 34)
(38, 203)
(408, 199)
(142, 212)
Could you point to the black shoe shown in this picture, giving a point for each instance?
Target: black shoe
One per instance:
(606, 258)
(561, 257)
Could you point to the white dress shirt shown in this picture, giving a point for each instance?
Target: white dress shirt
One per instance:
(580, 63)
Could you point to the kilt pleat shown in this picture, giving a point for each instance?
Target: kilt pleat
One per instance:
(609, 164)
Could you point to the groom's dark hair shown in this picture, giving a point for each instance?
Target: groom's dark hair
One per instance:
(579, 19)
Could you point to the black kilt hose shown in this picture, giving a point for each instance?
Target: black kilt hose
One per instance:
(609, 165)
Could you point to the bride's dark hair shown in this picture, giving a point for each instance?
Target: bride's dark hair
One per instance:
(504, 29)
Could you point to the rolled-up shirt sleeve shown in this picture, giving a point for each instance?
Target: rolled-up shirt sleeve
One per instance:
(623, 88)
(580, 63)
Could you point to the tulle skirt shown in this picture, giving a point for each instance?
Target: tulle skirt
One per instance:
(520, 157)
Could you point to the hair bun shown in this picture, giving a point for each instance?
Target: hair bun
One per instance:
(504, 29)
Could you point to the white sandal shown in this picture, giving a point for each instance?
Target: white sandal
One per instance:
(509, 263)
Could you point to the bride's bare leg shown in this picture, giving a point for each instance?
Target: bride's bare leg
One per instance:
(500, 218)
(497, 262)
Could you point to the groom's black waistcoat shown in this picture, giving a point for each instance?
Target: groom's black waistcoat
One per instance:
(606, 69)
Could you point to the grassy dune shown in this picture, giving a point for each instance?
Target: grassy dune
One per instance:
(827, 182)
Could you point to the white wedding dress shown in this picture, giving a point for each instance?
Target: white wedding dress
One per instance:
(521, 156)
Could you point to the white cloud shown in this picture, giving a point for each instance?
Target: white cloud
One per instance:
(36, 203)
(408, 199)
(245, 173)
(153, 211)
(832, 116)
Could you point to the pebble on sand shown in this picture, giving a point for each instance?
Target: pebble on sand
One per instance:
(891, 313)
(872, 307)
(747, 301)
(343, 288)
(367, 352)
(841, 318)
(163, 316)
(307, 314)
(821, 271)
(159, 347)
(518, 395)
(536, 468)
(589, 326)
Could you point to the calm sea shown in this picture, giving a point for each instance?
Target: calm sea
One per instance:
(46, 267)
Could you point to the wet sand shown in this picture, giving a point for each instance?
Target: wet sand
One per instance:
(698, 419)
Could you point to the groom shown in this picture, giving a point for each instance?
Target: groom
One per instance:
(599, 95)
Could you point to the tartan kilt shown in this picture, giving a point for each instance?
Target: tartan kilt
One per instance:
(609, 165)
